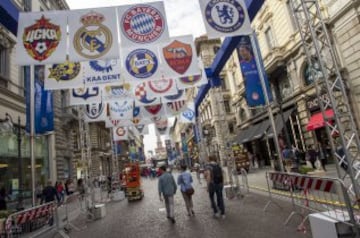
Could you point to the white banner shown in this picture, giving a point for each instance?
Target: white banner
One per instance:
(188, 115)
(175, 108)
(93, 35)
(41, 38)
(99, 72)
(118, 92)
(161, 125)
(141, 64)
(80, 96)
(161, 87)
(194, 80)
(122, 109)
(141, 129)
(225, 18)
(120, 133)
(64, 76)
(179, 96)
(179, 57)
(142, 98)
(157, 110)
(95, 112)
(143, 24)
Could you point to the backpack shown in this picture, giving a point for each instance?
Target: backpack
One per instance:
(217, 175)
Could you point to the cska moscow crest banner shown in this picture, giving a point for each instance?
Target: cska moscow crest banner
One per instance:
(92, 35)
(225, 18)
(64, 76)
(143, 24)
(120, 133)
(41, 38)
(81, 96)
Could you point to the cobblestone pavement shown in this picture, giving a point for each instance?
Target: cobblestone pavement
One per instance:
(147, 218)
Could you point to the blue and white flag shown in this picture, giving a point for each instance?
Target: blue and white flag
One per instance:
(81, 96)
(122, 109)
(188, 115)
(95, 112)
(225, 18)
(102, 72)
(253, 90)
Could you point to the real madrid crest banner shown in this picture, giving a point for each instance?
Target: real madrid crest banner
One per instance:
(120, 133)
(93, 35)
(179, 57)
(64, 76)
(85, 95)
(225, 18)
(101, 72)
(143, 24)
(41, 38)
(95, 112)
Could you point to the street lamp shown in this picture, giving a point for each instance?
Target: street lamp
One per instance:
(17, 131)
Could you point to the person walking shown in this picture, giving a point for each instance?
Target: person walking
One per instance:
(187, 190)
(312, 155)
(49, 193)
(167, 189)
(215, 183)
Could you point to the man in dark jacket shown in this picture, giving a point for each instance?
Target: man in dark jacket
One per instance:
(49, 193)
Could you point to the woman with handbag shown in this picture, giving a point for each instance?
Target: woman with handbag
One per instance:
(187, 190)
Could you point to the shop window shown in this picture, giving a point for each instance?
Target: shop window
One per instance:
(242, 114)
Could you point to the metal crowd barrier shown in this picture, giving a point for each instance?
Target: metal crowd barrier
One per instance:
(310, 194)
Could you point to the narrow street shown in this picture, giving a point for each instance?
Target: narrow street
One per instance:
(147, 218)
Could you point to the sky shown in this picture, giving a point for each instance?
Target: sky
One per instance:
(183, 19)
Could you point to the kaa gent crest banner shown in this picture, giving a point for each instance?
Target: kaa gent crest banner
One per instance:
(100, 72)
(92, 34)
(41, 38)
(143, 24)
(225, 18)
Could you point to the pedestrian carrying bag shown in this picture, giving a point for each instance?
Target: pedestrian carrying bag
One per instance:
(190, 191)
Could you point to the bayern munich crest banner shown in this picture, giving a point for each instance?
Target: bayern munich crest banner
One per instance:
(92, 35)
(225, 18)
(143, 24)
(41, 38)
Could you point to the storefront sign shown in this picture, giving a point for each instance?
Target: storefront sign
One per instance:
(314, 103)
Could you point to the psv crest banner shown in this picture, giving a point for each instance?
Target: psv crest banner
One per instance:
(41, 38)
(225, 18)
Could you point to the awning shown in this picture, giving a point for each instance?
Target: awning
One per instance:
(317, 120)
(279, 124)
(243, 135)
(253, 132)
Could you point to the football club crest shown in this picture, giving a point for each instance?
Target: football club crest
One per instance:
(176, 107)
(154, 109)
(176, 96)
(122, 110)
(141, 94)
(64, 72)
(93, 39)
(161, 86)
(41, 39)
(190, 80)
(178, 56)
(143, 24)
(94, 110)
(117, 92)
(140, 128)
(103, 66)
(85, 93)
(141, 63)
(161, 125)
(120, 131)
(224, 15)
(189, 114)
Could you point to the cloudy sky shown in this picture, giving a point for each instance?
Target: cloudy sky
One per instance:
(183, 19)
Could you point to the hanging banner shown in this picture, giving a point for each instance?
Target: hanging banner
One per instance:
(142, 98)
(64, 76)
(191, 81)
(121, 109)
(174, 108)
(118, 92)
(188, 115)
(157, 110)
(41, 38)
(161, 125)
(120, 133)
(92, 35)
(179, 96)
(95, 112)
(184, 146)
(110, 122)
(179, 57)
(81, 96)
(138, 118)
(225, 18)
(43, 106)
(100, 72)
(141, 129)
(141, 64)
(161, 87)
(253, 90)
(143, 24)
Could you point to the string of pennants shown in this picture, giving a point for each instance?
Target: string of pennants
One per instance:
(121, 62)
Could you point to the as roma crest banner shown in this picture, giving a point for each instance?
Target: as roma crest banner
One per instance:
(179, 57)
(64, 76)
(225, 18)
(120, 133)
(92, 34)
(143, 24)
(41, 38)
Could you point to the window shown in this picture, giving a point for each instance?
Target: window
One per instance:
(291, 14)
(4, 66)
(242, 114)
(63, 101)
(269, 38)
(231, 128)
(216, 49)
(223, 84)
(227, 106)
(24, 79)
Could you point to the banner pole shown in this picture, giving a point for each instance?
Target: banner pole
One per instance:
(32, 132)
(267, 100)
